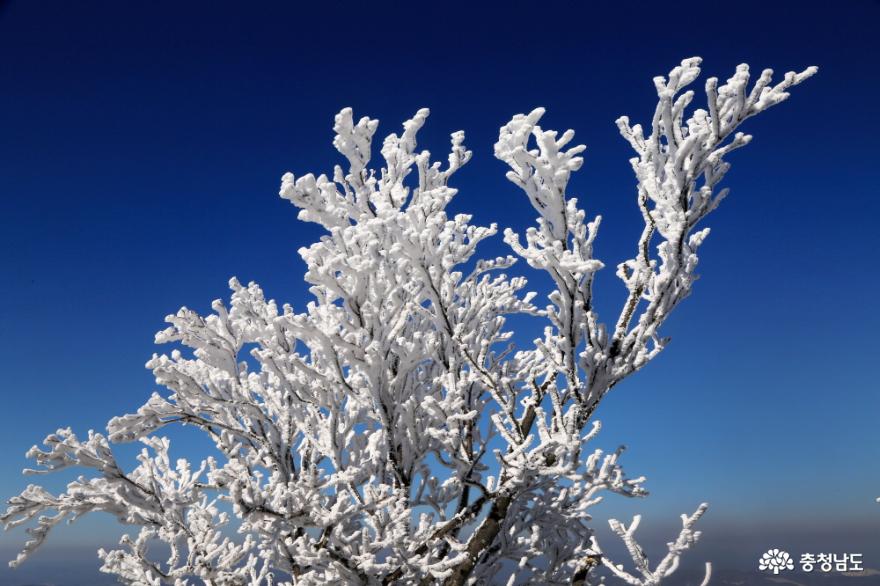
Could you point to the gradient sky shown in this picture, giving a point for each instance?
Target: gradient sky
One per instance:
(142, 144)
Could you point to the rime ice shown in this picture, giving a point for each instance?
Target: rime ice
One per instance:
(390, 433)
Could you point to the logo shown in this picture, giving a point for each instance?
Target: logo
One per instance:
(775, 561)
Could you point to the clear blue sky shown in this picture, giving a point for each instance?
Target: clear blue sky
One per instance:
(142, 143)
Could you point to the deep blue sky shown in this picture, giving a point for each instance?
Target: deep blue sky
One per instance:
(142, 143)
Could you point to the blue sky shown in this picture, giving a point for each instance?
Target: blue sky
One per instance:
(142, 144)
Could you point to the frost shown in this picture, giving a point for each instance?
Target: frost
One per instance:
(390, 433)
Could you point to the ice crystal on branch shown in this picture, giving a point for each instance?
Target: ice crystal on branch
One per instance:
(389, 432)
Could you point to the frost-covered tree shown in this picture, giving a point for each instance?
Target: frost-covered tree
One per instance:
(389, 432)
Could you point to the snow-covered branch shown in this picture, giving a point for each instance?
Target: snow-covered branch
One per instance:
(647, 577)
(678, 167)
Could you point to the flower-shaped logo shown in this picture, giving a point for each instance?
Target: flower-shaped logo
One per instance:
(775, 560)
